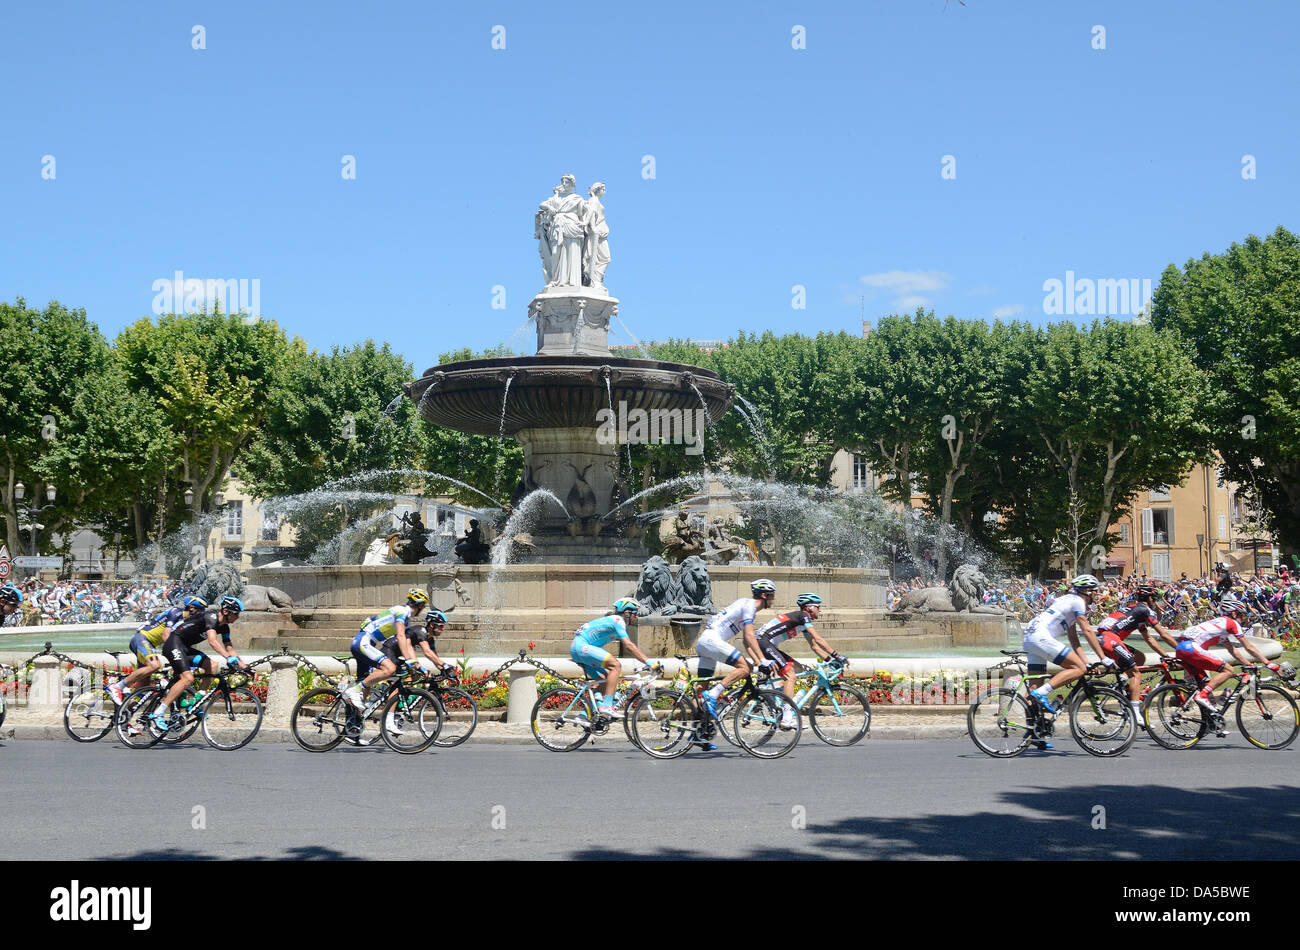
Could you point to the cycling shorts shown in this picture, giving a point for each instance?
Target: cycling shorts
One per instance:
(1198, 659)
(180, 655)
(368, 651)
(143, 648)
(591, 659)
(712, 650)
(771, 651)
(1119, 651)
(1043, 648)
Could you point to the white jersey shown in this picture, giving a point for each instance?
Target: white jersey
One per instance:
(1059, 617)
(1218, 632)
(732, 620)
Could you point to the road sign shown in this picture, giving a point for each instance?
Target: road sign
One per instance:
(4, 562)
(25, 561)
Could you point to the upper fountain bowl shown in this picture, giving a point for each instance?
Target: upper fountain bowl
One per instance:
(560, 392)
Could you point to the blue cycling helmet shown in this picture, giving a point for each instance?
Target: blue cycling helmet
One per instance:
(11, 595)
(627, 603)
(233, 604)
(194, 603)
(435, 618)
(807, 600)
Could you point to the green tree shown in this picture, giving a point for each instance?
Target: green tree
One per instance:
(1240, 313)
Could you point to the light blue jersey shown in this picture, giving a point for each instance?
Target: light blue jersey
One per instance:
(600, 631)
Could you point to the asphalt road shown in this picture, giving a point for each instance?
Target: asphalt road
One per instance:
(909, 800)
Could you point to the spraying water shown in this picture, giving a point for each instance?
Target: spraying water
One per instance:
(501, 434)
(645, 354)
(749, 412)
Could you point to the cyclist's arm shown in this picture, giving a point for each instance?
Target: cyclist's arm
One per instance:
(430, 653)
(636, 651)
(403, 644)
(820, 647)
(1165, 634)
(222, 647)
(1082, 624)
(751, 645)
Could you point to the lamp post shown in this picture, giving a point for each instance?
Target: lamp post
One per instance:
(1200, 550)
(31, 511)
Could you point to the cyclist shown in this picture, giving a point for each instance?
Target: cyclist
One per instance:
(713, 645)
(1224, 630)
(368, 645)
(178, 649)
(1065, 612)
(147, 645)
(1138, 616)
(586, 650)
(11, 598)
(784, 627)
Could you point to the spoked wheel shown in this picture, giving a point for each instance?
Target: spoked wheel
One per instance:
(90, 714)
(1269, 719)
(320, 719)
(561, 721)
(726, 715)
(411, 720)
(462, 718)
(177, 736)
(1172, 717)
(231, 717)
(999, 723)
(767, 724)
(664, 723)
(133, 725)
(841, 715)
(1102, 720)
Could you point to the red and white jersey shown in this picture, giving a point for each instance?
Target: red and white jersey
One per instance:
(1221, 631)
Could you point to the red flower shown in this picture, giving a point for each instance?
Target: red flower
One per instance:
(531, 644)
(462, 651)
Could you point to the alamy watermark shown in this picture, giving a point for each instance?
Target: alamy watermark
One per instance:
(1104, 297)
(181, 294)
(653, 427)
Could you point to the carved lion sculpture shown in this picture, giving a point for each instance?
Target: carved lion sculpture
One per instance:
(654, 585)
(261, 597)
(213, 580)
(692, 591)
(963, 594)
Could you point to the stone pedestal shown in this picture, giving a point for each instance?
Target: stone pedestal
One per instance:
(523, 693)
(282, 693)
(46, 693)
(573, 321)
(575, 467)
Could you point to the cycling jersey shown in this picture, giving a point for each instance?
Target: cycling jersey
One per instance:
(415, 635)
(1221, 631)
(155, 631)
(385, 625)
(731, 621)
(1060, 616)
(1126, 621)
(195, 629)
(602, 630)
(784, 627)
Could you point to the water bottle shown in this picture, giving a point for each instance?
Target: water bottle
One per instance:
(798, 697)
(186, 700)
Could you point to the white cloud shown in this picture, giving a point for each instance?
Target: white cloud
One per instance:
(907, 281)
(1010, 310)
(911, 302)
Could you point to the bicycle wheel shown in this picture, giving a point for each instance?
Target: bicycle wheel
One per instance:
(1269, 719)
(760, 724)
(462, 718)
(1172, 718)
(561, 719)
(411, 720)
(664, 723)
(320, 719)
(841, 715)
(132, 723)
(1102, 721)
(90, 714)
(1000, 723)
(231, 717)
(726, 713)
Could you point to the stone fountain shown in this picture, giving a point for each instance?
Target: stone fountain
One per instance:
(558, 404)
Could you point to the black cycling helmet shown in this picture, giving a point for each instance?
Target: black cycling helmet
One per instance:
(11, 595)
(232, 604)
(1146, 592)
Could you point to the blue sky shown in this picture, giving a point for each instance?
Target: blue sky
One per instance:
(774, 166)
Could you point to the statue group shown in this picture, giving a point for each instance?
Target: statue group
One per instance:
(572, 236)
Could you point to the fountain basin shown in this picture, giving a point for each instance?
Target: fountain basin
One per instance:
(559, 392)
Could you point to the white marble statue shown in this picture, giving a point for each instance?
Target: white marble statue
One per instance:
(542, 231)
(566, 229)
(595, 256)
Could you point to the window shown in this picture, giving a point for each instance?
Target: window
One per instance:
(860, 475)
(1160, 567)
(1124, 535)
(270, 528)
(1162, 523)
(1223, 527)
(235, 519)
(1160, 494)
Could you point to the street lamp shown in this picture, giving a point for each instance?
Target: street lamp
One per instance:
(31, 511)
(189, 498)
(1200, 549)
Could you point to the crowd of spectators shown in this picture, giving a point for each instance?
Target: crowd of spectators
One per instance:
(63, 602)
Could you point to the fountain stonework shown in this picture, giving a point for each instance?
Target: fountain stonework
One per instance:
(577, 563)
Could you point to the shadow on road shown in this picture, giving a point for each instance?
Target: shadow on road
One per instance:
(1141, 822)
(307, 853)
